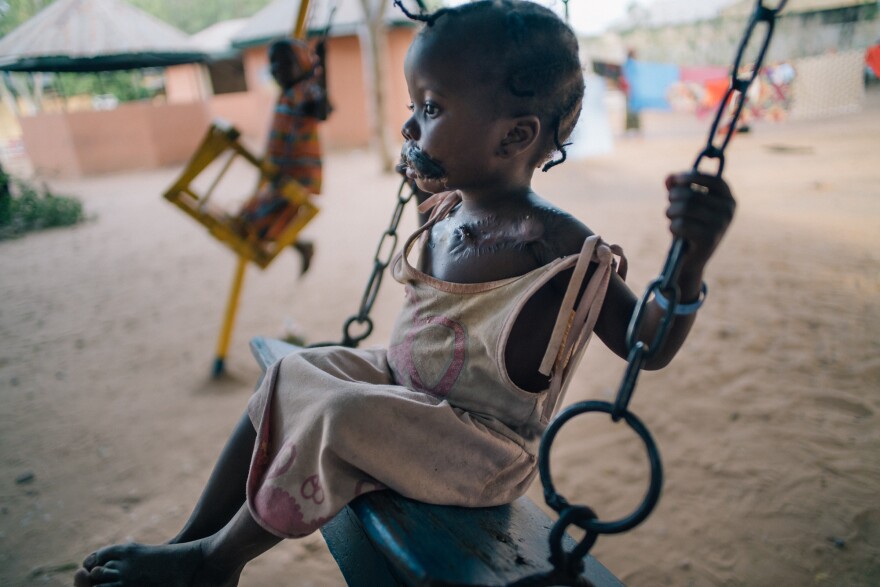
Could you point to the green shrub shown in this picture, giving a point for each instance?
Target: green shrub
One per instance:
(25, 207)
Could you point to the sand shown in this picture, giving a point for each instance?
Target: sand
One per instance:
(767, 421)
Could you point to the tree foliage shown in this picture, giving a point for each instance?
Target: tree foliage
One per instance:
(191, 16)
(25, 207)
(15, 12)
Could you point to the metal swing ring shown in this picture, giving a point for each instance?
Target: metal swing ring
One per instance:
(352, 341)
(572, 561)
(560, 504)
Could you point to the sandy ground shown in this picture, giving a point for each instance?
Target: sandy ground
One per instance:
(767, 421)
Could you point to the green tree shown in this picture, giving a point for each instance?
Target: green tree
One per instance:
(15, 12)
(192, 16)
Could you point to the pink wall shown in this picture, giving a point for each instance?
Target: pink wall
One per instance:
(136, 135)
(348, 125)
(144, 135)
(251, 112)
(398, 97)
(49, 144)
(186, 83)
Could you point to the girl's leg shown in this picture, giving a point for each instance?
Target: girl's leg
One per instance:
(216, 560)
(224, 493)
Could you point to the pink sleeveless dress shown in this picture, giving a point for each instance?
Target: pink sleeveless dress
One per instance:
(435, 416)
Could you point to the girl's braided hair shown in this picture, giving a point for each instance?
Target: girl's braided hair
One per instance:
(536, 54)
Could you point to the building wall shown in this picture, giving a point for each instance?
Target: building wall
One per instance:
(185, 83)
(249, 112)
(143, 135)
(714, 42)
(136, 135)
(49, 145)
(398, 95)
(348, 126)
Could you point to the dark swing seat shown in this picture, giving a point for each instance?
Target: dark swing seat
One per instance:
(383, 538)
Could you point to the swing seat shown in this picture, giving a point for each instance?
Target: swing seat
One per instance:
(383, 538)
(223, 138)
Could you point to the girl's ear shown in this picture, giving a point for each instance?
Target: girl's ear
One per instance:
(522, 133)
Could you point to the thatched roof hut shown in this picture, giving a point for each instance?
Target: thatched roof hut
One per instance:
(94, 35)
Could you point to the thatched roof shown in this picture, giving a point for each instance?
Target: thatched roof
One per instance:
(216, 40)
(94, 35)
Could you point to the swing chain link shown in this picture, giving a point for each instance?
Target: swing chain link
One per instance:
(569, 564)
(739, 85)
(383, 257)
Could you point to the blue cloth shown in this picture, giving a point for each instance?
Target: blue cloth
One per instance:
(649, 84)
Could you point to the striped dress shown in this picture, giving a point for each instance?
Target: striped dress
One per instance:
(294, 147)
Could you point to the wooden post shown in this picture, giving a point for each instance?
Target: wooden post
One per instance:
(374, 52)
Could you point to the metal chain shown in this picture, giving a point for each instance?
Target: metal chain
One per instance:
(738, 84)
(570, 563)
(381, 260)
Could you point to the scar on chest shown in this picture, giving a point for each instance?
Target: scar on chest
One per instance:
(499, 231)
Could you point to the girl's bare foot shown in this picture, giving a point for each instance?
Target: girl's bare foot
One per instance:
(167, 565)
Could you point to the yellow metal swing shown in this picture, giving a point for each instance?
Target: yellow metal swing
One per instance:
(223, 139)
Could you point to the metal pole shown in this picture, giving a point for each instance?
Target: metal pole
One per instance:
(299, 25)
(231, 308)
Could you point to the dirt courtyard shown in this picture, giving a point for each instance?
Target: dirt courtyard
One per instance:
(768, 421)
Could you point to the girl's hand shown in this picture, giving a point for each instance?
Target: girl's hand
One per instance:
(700, 210)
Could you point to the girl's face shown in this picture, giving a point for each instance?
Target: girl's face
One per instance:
(452, 136)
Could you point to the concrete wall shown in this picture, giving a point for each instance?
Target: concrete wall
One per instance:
(186, 83)
(143, 135)
(348, 126)
(250, 113)
(136, 135)
(714, 42)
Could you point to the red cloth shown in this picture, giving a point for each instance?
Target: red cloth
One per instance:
(715, 92)
(872, 59)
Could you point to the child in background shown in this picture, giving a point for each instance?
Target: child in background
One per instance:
(504, 297)
(293, 146)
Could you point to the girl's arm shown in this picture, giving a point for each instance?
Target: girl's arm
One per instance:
(700, 210)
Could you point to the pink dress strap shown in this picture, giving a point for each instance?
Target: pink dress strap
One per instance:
(577, 317)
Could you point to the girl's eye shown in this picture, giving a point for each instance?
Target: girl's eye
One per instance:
(431, 109)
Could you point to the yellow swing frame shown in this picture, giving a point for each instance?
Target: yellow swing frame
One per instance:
(222, 138)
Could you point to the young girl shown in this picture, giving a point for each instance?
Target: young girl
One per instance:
(293, 145)
(505, 294)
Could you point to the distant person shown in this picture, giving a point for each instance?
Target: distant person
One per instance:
(293, 145)
(633, 124)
